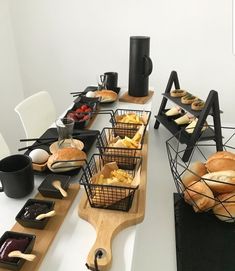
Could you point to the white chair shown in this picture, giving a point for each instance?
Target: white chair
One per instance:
(4, 150)
(37, 113)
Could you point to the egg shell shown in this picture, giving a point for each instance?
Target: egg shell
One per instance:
(90, 94)
(39, 156)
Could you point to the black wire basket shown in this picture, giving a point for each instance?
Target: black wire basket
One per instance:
(132, 127)
(105, 196)
(216, 202)
(124, 154)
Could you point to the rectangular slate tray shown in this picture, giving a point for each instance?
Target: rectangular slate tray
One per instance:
(52, 132)
(203, 242)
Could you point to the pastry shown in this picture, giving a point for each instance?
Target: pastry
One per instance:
(221, 160)
(190, 128)
(220, 181)
(200, 196)
(194, 173)
(178, 93)
(198, 105)
(225, 209)
(64, 159)
(176, 110)
(188, 99)
(185, 119)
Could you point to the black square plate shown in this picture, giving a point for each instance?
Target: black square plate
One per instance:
(16, 263)
(33, 223)
(52, 132)
(48, 190)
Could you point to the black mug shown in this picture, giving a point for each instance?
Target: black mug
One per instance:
(16, 176)
(109, 80)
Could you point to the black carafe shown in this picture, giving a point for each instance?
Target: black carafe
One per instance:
(140, 66)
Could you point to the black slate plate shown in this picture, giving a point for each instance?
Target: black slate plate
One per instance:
(52, 132)
(203, 242)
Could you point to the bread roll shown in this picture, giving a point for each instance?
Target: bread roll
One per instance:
(66, 154)
(194, 173)
(225, 209)
(199, 196)
(220, 181)
(221, 160)
(106, 95)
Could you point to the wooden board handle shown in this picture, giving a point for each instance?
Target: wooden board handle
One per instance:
(102, 243)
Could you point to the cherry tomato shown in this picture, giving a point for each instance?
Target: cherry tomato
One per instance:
(84, 107)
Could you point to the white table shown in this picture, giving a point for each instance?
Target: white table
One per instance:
(146, 246)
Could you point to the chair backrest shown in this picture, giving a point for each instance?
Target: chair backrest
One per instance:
(4, 150)
(37, 113)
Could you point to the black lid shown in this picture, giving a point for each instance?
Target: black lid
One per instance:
(139, 37)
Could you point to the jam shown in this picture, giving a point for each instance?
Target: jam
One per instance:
(10, 245)
(32, 211)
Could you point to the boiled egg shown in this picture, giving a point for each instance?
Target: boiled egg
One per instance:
(39, 156)
(90, 94)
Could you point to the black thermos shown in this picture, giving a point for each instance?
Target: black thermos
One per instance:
(140, 66)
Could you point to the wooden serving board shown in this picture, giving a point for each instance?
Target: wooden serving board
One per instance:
(108, 223)
(45, 237)
(135, 100)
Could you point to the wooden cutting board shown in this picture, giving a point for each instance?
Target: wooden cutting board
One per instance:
(45, 237)
(108, 223)
(136, 100)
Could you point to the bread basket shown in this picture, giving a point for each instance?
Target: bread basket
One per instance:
(216, 202)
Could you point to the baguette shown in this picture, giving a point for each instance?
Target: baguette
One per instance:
(225, 209)
(194, 173)
(220, 181)
(219, 161)
(200, 196)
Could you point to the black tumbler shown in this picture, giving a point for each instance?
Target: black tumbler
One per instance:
(140, 66)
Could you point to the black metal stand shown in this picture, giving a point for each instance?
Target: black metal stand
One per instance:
(211, 108)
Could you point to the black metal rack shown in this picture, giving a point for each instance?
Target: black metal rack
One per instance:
(211, 108)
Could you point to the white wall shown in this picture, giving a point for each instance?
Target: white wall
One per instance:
(11, 91)
(62, 45)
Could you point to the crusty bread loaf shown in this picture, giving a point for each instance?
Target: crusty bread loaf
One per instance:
(194, 173)
(66, 154)
(225, 207)
(106, 95)
(200, 196)
(221, 181)
(222, 160)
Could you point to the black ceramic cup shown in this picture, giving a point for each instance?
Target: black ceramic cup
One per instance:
(16, 176)
(110, 80)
